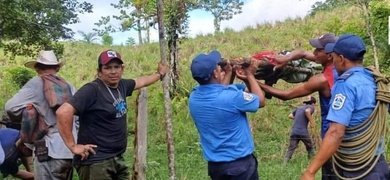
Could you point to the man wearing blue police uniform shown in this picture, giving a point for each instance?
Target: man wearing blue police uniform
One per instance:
(219, 112)
(353, 101)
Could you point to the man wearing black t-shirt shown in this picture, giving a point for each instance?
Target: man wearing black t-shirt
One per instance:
(101, 107)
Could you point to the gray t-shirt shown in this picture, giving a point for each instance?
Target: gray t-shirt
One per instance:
(300, 120)
(32, 92)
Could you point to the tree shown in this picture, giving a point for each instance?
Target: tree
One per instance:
(371, 14)
(29, 26)
(130, 41)
(138, 18)
(221, 10)
(176, 24)
(364, 5)
(380, 10)
(327, 5)
(88, 37)
(167, 98)
(107, 40)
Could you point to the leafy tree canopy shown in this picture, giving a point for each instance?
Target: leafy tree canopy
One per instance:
(221, 9)
(27, 26)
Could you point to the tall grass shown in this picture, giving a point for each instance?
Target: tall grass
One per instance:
(270, 125)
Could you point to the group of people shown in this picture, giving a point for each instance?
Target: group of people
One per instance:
(347, 93)
(88, 132)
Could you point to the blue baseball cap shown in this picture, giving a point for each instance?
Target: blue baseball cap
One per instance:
(350, 46)
(203, 65)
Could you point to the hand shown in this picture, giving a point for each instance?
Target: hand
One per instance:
(240, 73)
(254, 64)
(245, 73)
(311, 125)
(162, 68)
(307, 176)
(280, 59)
(83, 150)
(228, 68)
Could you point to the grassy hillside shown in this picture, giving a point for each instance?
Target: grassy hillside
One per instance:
(270, 125)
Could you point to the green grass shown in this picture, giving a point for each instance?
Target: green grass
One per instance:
(270, 125)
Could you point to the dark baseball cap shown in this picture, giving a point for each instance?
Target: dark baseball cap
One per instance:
(312, 100)
(204, 64)
(323, 40)
(108, 55)
(350, 46)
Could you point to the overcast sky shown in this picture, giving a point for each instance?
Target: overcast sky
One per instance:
(201, 22)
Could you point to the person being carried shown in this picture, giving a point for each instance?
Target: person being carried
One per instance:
(356, 134)
(296, 71)
(102, 109)
(219, 113)
(11, 151)
(302, 117)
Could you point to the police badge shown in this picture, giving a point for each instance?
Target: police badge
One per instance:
(247, 96)
(338, 101)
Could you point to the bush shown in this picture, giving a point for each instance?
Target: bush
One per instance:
(20, 75)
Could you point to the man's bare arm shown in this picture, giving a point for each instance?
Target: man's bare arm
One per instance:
(295, 55)
(65, 115)
(229, 75)
(23, 174)
(328, 147)
(144, 81)
(315, 83)
(309, 117)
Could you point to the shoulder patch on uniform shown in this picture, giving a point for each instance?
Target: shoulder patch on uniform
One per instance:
(338, 101)
(346, 75)
(247, 96)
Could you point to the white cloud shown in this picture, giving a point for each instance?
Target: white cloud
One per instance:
(260, 11)
(201, 22)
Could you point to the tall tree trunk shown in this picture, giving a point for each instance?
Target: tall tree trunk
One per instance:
(147, 31)
(173, 28)
(370, 32)
(167, 98)
(139, 27)
(217, 25)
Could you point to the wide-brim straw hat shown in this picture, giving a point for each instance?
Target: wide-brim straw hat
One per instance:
(46, 58)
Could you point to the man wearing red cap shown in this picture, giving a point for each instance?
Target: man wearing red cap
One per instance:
(102, 108)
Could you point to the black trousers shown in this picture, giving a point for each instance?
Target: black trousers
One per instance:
(240, 169)
(294, 140)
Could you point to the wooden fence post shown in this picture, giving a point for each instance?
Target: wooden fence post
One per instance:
(140, 139)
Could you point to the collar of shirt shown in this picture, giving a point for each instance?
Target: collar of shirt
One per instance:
(351, 71)
(209, 87)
